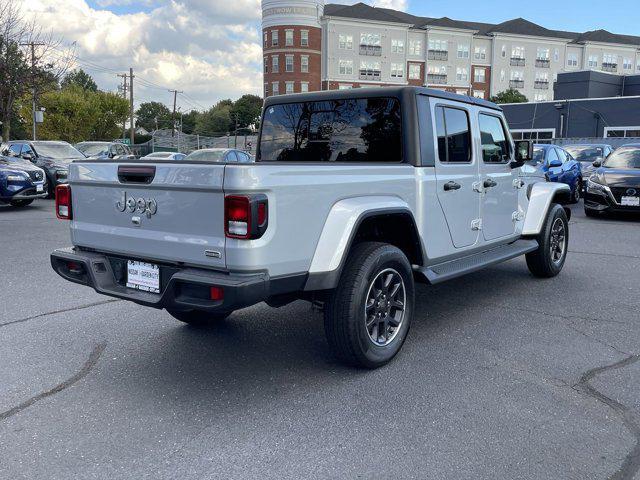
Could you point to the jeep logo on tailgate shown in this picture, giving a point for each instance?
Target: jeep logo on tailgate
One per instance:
(147, 206)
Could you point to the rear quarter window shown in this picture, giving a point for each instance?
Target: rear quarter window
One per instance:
(341, 130)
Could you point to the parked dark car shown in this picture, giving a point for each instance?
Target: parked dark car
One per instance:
(105, 150)
(559, 166)
(20, 182)
(53, 157)
(221, 155)
(615, 185)
(587, 154)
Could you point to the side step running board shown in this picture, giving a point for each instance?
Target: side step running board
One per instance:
(455, 268)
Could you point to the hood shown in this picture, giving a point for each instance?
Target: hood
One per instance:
(17, 166)
(614, 177)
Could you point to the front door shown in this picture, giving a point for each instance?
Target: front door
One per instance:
(500, 191)
(457, 174)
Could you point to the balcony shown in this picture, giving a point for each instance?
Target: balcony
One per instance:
(517, 62)
(371, 50)
(437, 78)
(609, 67)
(542, 62)
(438, 55)
(516, 83)
(541, 85)
(367, 74)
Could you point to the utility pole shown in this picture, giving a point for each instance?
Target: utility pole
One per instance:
(124, 89)
(33, 46)
(235, 145)
(173, 115)
(132, 136)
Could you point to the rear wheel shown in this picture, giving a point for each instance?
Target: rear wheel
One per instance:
(198, 318)
(367, 317)
(547, 261)
(21, 203)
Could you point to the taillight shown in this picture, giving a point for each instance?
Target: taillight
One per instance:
(245, 216)
(63, 202)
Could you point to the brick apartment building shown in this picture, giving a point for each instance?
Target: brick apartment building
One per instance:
(310, 46)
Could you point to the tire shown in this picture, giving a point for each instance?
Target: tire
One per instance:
(591, 213)
(198, 318)
(21, 203)
(365, 321)
(577, 193)
(547, 261)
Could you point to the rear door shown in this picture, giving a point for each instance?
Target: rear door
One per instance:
(457, 173)
(145, 211)
(500, 197)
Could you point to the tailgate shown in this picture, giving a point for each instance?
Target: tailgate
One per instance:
(166, 212)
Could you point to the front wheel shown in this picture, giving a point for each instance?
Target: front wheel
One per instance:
(577, 193)
(21, 203)
(367, 317)
(198, 318)
(547, 261)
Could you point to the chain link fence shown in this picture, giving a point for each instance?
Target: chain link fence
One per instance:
(166, 140)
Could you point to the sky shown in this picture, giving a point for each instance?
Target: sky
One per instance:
(211, 50)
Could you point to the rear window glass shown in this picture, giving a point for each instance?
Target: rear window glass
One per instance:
(342, 130)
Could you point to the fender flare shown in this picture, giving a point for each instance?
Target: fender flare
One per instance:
(338, 232)
(541, 196)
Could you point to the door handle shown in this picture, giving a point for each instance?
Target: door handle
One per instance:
(451, 186)
(488, 183)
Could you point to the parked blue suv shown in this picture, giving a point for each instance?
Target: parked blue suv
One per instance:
(20, 182)
(559, 166)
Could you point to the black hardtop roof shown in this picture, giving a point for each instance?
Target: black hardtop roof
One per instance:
(397, 92)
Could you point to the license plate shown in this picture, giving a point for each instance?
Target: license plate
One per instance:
(143, 276)
(631, 201)
(39, 188)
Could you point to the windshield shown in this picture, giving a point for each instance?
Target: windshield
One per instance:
(57, 151)
(624, 157)
(91, 149)
(206, 156)
(585, 153)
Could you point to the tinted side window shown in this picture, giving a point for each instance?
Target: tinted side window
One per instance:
(231, 157)
(454, 135)
(342, 130)
(561, 155)
(495, 146)
(14, 149)
(26, 148)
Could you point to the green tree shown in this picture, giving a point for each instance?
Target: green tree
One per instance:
(189, 121)
(150, 112)
(247, 110)
(69, 115)
(110, 111)
(509, 96)
(216, 120)
(81, 79)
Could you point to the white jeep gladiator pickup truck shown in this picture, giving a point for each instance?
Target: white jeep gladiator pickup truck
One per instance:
(354, 196)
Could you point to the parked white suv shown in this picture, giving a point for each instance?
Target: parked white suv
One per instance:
(354, 196)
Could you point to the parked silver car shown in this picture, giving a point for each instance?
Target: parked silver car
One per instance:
(164, 156)
(222, 155)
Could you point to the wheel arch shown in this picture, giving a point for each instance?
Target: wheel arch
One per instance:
(385, 219)
(541, 196)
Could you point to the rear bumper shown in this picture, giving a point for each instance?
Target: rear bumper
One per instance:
(180, 288)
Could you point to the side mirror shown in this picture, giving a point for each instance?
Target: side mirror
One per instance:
(523, 153)
(597, 163)
(555, 163)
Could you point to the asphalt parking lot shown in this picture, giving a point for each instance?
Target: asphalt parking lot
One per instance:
(503, 376)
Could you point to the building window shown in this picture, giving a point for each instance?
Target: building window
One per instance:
(517, 79)
(517, 53)
(479, 75)
(415, 47)
(344, 86)
(415, 71)
(609, 62)
(480, 53)
(275, 88)
(346, 67)
(542, 54)
(266, 39)
(304, 38)
(397, 70)
(288, 63)
(638, 66)
(572, 60)
(266, 65)
(622, 132)
(462, 74)
(478, 93)
(266, 89)
(288, 38)
(304, 63)
(370, 44)
(397, 46)
(274, 38)
(538, 135)
(304, 87)
(593, 61)
(627, 64)
(345, 42)
(540, 97)
(463, 51)
(288, 87)
(275, 64)
(438, 45)
(369, 70)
